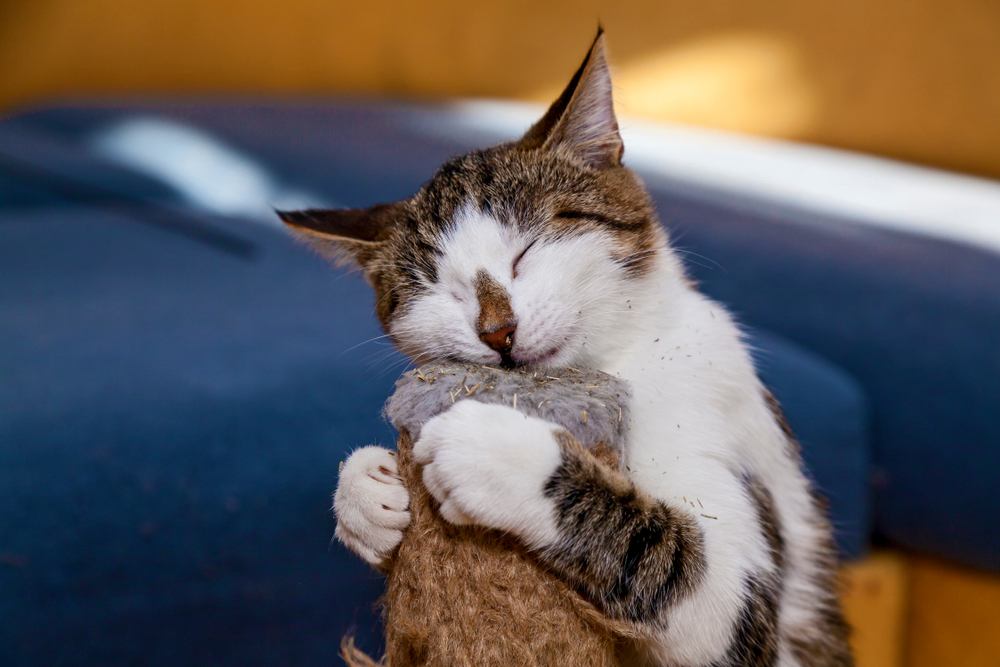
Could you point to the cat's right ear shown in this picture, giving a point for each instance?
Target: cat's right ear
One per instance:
(582, 119)
(347, 235)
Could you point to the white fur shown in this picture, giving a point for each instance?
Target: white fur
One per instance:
(699, 419)
(371, 506)
(509, 456)
(566, 295)
(691, 430)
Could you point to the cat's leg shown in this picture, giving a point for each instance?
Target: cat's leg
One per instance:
(662, 566)
(494, 466)
(486, 464)
(371, 505)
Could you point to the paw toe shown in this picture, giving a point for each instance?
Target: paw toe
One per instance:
(452, 513)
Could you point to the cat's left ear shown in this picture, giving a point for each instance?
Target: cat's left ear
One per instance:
(582, 119)
(348, 235)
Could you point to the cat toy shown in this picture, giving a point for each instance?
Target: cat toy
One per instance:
(465, 595)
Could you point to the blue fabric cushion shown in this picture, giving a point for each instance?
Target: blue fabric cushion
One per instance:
(42, 166)
(172, 419)
(173, 412)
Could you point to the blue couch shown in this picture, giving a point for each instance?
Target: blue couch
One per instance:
(177, 386)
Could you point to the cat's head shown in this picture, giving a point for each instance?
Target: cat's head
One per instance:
(527, 253)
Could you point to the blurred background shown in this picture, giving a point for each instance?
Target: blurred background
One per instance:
(178, 380)
(914, 80)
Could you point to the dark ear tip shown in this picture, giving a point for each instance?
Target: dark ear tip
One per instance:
(597, 46)
(291, 217)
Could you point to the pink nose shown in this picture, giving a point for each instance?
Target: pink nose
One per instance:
(501, 339)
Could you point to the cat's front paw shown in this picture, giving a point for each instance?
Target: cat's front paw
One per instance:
(371, 505)
(488, 465)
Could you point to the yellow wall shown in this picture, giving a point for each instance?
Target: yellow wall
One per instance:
(918, 79)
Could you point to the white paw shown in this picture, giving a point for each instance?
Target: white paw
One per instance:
(488, 464)
(371, 504)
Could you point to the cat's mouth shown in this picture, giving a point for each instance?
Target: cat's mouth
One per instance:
(538, 359)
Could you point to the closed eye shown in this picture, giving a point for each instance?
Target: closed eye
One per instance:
(517, 260)
(572, 214)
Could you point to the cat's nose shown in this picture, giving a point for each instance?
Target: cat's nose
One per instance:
(500, 339)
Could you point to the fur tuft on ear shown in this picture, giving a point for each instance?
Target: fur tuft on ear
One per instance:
(582, 118)
(350, 235)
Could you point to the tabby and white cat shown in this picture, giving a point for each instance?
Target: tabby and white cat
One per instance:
(547, 252)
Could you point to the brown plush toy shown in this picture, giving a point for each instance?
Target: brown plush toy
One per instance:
(460, 595)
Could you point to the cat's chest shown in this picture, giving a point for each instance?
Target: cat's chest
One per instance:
(671, 415)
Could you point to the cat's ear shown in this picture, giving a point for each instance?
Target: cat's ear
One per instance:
(351, 235)
(582, 119)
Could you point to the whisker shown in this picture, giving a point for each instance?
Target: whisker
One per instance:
(691, 253)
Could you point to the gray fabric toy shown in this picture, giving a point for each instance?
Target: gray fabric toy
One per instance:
(591, 405)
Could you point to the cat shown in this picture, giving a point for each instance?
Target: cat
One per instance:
(547, 252)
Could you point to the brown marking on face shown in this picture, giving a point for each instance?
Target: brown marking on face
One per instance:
(614, 203)
(495, 311)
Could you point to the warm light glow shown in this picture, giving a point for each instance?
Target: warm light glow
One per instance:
(745, 81)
